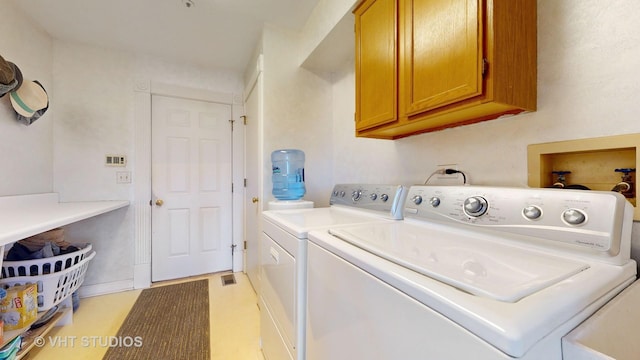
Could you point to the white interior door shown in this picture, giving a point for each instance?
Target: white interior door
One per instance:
(191, 188)
(253, 164)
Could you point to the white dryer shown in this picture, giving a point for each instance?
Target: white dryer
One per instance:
(470, 273)
(283, 257)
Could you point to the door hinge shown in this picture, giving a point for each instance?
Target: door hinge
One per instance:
(245, 244)
(232, 122)
(485, 67)
(244, 119)
(245, 182)
(231, 187)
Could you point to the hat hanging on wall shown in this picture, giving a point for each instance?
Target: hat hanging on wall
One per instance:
(10, 76)
(30, 101)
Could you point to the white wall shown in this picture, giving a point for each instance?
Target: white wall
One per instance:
(588, 84)
(588, 81)
(96, 114)
(588, 65)
(297, 113)
(91, 114)
(26, 150)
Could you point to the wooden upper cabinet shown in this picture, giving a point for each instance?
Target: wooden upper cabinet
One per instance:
(376, 63)
(442, 60)
(457, 62)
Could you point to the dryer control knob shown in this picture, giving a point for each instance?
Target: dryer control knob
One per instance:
(384, 197)
(434, 201)
(574, 217)
(373, 196)
(475, 206)
(532, 212)
(356, 195)
(417, 199)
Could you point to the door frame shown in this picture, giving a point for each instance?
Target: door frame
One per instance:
(255, 86)
(143, 90)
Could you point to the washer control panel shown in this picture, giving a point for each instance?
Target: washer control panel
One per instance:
(375, 197)
(588, 219)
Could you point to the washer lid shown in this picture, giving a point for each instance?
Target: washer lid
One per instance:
(477, 263)
(298, 222)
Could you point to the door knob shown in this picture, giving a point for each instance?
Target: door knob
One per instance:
(254, 200)
(159, 202)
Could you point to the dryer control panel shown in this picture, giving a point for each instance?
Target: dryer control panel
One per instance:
(596, 222)
(374, 197)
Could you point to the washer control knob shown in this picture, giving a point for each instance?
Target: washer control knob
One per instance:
(342, 193)
(475, 206)
(532, 212)
(574, 217)
(417, 199)
(434, 201)
(373, 196)
(384, 197)
(356, 195)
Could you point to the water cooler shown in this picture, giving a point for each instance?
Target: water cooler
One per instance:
(288, 180)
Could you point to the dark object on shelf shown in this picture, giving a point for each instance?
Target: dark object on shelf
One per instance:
(45, 318)
(576, 187)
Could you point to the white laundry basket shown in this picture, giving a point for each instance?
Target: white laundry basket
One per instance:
(44, 266)
(53, 287)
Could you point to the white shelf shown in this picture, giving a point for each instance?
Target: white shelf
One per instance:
(22, 216)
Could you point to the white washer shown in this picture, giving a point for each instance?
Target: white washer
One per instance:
(284, 251)
(471, 273)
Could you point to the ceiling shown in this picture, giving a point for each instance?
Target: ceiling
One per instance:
(220, 34)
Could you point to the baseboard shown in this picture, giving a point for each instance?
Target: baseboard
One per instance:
(105, 288)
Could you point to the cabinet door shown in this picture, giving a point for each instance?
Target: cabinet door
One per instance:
(376, 63)
(442, 61)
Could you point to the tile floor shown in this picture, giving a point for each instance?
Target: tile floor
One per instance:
(233, 312)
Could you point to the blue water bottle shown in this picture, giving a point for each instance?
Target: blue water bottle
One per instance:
(288, 174)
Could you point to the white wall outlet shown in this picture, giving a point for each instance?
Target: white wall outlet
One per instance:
(448, 176)
(123, 177)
